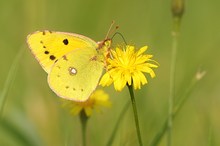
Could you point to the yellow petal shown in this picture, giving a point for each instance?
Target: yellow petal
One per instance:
(76, 109)
(88, 111)
(136, 81)
(142, 50)
(119, 84)
(106, 80)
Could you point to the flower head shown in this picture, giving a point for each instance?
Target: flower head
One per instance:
(127, 66)
(97, 99)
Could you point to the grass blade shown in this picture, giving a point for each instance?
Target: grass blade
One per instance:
(9, 80)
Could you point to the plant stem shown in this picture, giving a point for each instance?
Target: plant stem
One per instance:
(83, 119)
(135, 114)
(175, 33)
(178, 105)
(10, 79)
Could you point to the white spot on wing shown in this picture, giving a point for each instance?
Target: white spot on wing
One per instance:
(72, 71)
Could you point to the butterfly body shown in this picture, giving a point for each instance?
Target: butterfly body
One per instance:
(74, 63)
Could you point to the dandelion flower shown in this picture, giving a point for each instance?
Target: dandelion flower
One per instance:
(97, 100)
(128, 66)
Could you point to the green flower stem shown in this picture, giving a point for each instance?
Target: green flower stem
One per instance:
(83, 119)
(135, 114)
(177, 9)
(175, 34)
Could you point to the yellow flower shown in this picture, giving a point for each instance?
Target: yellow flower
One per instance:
(127, 66)
(97, 99)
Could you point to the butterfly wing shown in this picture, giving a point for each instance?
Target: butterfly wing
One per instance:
(76, 75)
(48, 46)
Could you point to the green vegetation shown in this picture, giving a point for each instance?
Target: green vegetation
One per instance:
(32, 115)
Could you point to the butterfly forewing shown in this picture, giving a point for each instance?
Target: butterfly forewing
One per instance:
(48, 46)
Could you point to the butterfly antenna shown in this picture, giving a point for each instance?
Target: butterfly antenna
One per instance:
(110, 30)
(118, 33)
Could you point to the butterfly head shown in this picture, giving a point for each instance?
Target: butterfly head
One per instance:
(104, 44)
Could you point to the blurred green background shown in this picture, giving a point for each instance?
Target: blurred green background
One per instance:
(33, 115)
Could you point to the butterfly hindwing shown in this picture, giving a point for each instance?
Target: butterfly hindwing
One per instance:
(76, 75)
(48, 46)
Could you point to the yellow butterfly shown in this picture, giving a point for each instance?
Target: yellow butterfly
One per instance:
(73, 62)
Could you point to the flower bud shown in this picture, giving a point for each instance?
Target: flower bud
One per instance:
(177, 8)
